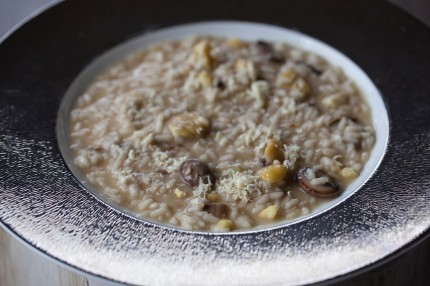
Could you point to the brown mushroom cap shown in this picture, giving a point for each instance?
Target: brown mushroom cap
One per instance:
(267, 51)
(326, 190)
(193, 170)
(218, 210)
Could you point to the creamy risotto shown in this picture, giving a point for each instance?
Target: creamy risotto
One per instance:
(219, 134)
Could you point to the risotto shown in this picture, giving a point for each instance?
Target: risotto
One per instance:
(217, 134)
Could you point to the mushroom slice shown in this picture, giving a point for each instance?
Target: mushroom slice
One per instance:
(218, 210)
(192, 171)
(267, 52)
(326, 188)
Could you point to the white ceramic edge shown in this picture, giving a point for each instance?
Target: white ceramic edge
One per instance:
(28, 18)
(246, 31)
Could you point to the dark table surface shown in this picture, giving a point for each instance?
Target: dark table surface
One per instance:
(411, 267)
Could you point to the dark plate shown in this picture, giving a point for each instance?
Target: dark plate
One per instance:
(42, 203)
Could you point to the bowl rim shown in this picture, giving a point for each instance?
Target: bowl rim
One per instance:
(246, 31)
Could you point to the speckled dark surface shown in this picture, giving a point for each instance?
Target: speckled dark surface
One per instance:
(42, 202)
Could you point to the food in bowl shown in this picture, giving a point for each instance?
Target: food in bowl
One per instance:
(221, 134)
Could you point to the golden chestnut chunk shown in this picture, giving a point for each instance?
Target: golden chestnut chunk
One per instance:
(189, 125)
(204, 79)
(269, 212)
(180, 194)
(224, 225)
(235, 43)
(273, 173)
(273, 151)
(201, 54)
(348, 173)
(299, 89)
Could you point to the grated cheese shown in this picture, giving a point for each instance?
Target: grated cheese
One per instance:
(202, 189)
(238, 185)
(164, 161)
